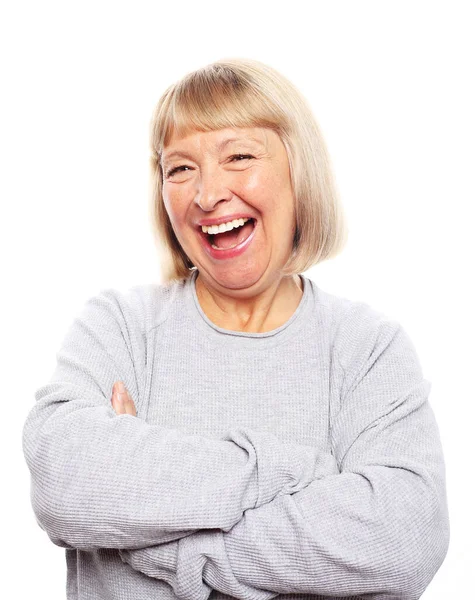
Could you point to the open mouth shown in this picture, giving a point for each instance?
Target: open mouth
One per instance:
(232, 237)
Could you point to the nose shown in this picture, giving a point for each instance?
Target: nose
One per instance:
(212, 190)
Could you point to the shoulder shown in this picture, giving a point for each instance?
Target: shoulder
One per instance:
(138, 307)
(352, 317)
(109, 337)
(360, 332)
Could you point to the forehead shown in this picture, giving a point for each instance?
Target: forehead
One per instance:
(220, 139)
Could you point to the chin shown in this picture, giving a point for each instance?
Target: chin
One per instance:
(236, 279)
(236, 282)
(231, 278)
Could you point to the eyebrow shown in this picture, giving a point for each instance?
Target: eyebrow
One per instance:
(221, 146)
(227, 141)
(176, 154)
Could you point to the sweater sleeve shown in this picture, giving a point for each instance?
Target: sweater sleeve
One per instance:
(378, 528)
(101, 480)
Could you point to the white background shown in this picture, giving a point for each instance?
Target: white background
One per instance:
(391, 84)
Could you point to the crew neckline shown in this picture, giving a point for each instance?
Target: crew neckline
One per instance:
(245, 338)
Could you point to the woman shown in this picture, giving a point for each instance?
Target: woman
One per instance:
(271, 438)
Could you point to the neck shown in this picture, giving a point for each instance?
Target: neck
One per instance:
(267, 311)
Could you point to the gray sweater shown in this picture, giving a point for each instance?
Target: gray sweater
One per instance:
(304, 462)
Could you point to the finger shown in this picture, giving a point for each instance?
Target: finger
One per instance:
(117, 403)
(129, 405)
(126, 404)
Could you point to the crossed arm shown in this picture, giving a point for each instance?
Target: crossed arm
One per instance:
(377, 526)
(101, 480)
(247, 515)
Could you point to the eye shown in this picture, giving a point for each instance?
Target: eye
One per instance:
(239, 157)
(178, 169)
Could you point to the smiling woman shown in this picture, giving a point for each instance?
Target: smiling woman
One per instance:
(252, 115)
(237, 140)
(213, 189)
(266, 438)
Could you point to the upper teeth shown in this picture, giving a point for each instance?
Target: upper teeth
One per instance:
(224, 226)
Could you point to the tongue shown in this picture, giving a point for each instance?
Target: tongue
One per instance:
(228, 239)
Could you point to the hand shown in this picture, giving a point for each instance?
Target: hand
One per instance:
(121, 400)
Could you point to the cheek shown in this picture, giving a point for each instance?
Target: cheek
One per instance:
(174, 202)
(270, 191)
(260, 189)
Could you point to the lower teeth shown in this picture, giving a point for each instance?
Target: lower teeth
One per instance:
(230, 247)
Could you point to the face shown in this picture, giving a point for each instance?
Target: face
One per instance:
(216, 177)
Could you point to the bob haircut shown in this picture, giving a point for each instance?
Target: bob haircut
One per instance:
(247, 93)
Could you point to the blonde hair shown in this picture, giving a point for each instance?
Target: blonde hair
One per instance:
(247, 93)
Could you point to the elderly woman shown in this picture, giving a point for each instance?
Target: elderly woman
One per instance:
(238, 431)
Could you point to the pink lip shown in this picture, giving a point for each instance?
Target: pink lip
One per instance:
(225, 219)
(225, 254)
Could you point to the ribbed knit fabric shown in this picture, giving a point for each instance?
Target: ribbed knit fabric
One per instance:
(304, 462)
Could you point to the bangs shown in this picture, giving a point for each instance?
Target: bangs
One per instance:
(214, 98)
